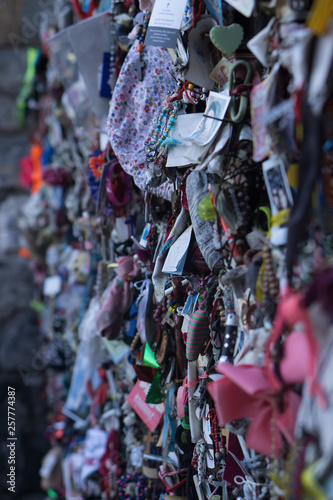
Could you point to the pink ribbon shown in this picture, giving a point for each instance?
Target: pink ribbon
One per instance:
(291, 310)
(181, 394)
(246, 392)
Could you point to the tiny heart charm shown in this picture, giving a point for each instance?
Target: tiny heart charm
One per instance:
(227, 38)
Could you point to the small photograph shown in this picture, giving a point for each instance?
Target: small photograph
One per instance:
(143, 240)
(277, 185)
(208, 127)
(220, 73)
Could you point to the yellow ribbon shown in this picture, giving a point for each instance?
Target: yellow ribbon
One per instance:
(281, 217)
(320, 15)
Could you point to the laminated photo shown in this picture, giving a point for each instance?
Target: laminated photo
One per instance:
(277, 185)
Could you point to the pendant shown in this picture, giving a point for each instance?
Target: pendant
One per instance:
(138, 67)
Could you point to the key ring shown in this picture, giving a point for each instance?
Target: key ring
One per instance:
(241, 481)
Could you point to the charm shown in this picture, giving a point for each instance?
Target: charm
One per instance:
(138, 67)
(230, 338)
(168, 319)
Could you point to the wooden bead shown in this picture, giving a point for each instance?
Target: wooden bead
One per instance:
(140, 47)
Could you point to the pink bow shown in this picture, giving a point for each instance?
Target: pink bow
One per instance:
(291, 311)
(245, 392)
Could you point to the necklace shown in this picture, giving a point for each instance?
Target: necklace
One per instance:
(158, 140)
(113, 47)
(141, 35)
(142, 30)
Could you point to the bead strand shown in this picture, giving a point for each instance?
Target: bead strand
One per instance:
(153, 147)
(142, 33)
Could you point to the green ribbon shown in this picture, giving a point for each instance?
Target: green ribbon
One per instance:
(149, 357)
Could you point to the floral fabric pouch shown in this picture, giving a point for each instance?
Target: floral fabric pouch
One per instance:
(135, 108)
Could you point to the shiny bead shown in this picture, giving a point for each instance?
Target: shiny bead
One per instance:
(190, 86)
(140, 47)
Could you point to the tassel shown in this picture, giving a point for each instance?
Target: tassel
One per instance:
(169, 142)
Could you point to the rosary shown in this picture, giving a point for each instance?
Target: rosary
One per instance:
(140, 64)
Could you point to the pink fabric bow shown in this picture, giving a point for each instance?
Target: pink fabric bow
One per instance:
(118, 299)
(292, 310)
(246, 392)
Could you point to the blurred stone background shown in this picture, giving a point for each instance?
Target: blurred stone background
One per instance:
(20, 336)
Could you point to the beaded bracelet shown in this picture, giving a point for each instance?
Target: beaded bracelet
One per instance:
(132, 487)
(158, 139)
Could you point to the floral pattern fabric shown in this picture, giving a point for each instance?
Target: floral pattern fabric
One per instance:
(135, 108)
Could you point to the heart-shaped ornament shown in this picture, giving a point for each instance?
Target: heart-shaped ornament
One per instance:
(227, 38)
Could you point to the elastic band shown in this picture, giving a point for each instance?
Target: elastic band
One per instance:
(80, 12)
(268, 213)
(238, 115)
(149, 472)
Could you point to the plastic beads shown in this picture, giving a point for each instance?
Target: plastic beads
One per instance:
(153, 147)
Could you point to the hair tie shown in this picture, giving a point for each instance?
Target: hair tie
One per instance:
(80, 12)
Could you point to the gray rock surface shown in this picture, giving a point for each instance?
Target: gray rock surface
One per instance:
(12, 148)
(12, 69)
(10, 236)
(10, 19)
(20, 335)
(8, 115)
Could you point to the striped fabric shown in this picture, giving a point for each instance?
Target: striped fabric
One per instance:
(197, 335)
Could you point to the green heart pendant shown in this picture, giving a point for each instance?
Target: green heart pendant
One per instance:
(227, 38)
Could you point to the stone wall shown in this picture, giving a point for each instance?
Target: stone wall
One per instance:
(20, 335)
